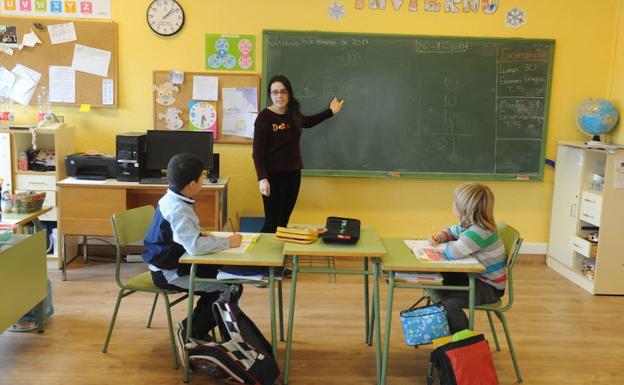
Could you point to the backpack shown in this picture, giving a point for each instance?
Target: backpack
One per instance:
(465, 362)
(244, 355)
(341, 230)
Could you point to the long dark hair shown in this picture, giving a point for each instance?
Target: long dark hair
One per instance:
(293, 108)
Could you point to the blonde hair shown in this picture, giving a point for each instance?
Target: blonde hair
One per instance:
(475, 204)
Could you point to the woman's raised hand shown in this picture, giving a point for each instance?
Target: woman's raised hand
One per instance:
(335, 105)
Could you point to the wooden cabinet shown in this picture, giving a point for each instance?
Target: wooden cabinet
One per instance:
(588, 205)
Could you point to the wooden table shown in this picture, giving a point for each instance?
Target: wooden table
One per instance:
(369, 246)
(19, 220)
(266, 251)
(86, 207)
(401, 258)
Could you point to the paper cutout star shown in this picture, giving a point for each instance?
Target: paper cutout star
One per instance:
(336, 10)
(515, 18)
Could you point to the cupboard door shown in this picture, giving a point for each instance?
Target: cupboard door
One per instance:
(565, 207)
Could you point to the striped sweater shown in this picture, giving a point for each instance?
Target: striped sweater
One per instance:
(484, 245)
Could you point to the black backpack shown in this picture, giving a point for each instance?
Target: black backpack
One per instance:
(244, 355)
(341, 230)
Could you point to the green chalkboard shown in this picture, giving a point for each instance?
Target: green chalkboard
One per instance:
(418, 106)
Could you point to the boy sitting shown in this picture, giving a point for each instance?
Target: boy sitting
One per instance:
(174, 231)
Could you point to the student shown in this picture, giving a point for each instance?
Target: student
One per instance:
(174, 231)
(276, 150)
(28, 321)
(474, 236)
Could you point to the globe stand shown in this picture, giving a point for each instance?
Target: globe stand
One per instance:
(595, 141)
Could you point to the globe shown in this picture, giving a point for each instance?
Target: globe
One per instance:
(596, 117)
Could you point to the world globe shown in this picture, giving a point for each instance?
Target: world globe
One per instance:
(596, 117)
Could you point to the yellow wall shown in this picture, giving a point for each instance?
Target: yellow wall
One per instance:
(617, 86)
(585, 39)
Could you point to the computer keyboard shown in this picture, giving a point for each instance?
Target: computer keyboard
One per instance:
(153, 181)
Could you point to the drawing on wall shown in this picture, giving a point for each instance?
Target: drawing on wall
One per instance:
(515, 18)
(203, 117)
(164, 93)
(336, 10)
(85, 9)
(172, 118)
(230, 52)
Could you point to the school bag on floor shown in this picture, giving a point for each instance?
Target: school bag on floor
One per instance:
(244, 356)
(465, 362)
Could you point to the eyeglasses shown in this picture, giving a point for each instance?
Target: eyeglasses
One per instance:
(279, 92)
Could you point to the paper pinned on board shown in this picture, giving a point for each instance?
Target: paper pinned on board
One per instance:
(239, 124)
(108, 92)
(7, 78)
(62, 84)
(6, 49)
(30, 39)
(25, 84)
(62, 33)
(91, 60)
(205, 88)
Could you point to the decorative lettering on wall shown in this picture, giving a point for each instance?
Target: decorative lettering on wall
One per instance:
(450, 6)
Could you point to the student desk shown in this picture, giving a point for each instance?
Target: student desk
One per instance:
(401, 258)
(23, 277)
(86, 207)
(19, 220)
(266, 251)
(368, 246)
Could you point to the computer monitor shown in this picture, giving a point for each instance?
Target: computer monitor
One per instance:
(163, 145)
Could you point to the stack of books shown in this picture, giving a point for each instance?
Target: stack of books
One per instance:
(419, 278)
(297, 234)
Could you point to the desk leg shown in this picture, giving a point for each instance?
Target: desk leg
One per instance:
(189, 320)
(386, 350)
(64, 257)
(376, 317)
(272, 312)
(367, 325)
(471, 300)
(291, 315)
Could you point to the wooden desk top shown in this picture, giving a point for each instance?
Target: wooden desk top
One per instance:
(401, 258)
(369, 245)
(266, 251)
(21, 219)
(114, 183)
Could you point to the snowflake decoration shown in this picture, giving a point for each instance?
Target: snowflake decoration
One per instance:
(515, 18)
(336, 10)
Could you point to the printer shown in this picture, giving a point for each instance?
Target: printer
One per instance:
(95, 167)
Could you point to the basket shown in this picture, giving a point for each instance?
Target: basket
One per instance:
(28, 202)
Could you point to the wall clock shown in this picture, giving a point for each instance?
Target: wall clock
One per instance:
(203, 117)
(165, 17)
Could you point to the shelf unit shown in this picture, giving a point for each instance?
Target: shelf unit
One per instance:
(585, 208)
(60, 139)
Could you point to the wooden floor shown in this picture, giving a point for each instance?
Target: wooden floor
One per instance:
(562, 335)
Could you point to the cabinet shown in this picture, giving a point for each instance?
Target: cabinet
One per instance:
(12, 142)
(588, 217)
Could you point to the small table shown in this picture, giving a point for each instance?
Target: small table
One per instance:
(266, 252)
(401, 258)
(368, 246)
(19, 220)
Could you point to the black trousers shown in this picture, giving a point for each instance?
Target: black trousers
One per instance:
(455, 301)
(203, 317)
(280, 203)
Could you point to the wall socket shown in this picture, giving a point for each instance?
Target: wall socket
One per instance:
(134, 258)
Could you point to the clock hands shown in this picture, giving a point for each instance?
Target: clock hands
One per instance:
(171, 11)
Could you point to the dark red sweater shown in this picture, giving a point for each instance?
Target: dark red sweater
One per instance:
(276, 141)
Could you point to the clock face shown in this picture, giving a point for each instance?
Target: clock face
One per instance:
(165, 17)
(202, 116)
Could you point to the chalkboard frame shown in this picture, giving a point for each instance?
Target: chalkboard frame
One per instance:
(391, 174)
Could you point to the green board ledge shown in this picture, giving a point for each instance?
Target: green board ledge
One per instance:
(423, 175)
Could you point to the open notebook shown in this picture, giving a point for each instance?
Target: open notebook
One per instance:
(424, 251)
(246, 244)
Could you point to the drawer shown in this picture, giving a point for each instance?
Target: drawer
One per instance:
(591, 201)
(50, 198)
(35, 182)
(590, 215)
(584, 247)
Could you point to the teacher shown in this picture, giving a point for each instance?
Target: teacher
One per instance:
(276, 150)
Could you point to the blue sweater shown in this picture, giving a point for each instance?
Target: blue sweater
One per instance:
(174, 231)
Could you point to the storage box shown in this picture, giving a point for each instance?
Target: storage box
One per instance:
(28, 202)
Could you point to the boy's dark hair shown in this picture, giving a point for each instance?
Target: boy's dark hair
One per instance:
(183, 169)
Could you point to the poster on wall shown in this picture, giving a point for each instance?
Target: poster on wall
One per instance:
(82, 9)
(231, 52)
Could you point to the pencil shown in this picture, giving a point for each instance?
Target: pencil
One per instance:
(433, 235)
(232, 225)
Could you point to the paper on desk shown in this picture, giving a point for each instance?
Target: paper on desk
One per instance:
(205, 88)
(7, 78)
(247, 237)
(30, 39)
(73, 180)
(62, 84)
(25, 84)
(62, 33)
(417, 245)
(91, 60)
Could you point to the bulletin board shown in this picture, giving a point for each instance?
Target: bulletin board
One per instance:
(94, 34)
(185, 95)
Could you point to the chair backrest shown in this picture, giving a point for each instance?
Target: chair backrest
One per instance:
(130, 226)
(512, 242)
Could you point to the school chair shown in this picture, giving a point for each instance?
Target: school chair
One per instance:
(130, 226)
(512, 241)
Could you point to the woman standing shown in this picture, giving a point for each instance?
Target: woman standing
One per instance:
(276, 150)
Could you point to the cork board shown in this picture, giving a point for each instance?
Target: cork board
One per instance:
(95, 34)
(185, 95)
